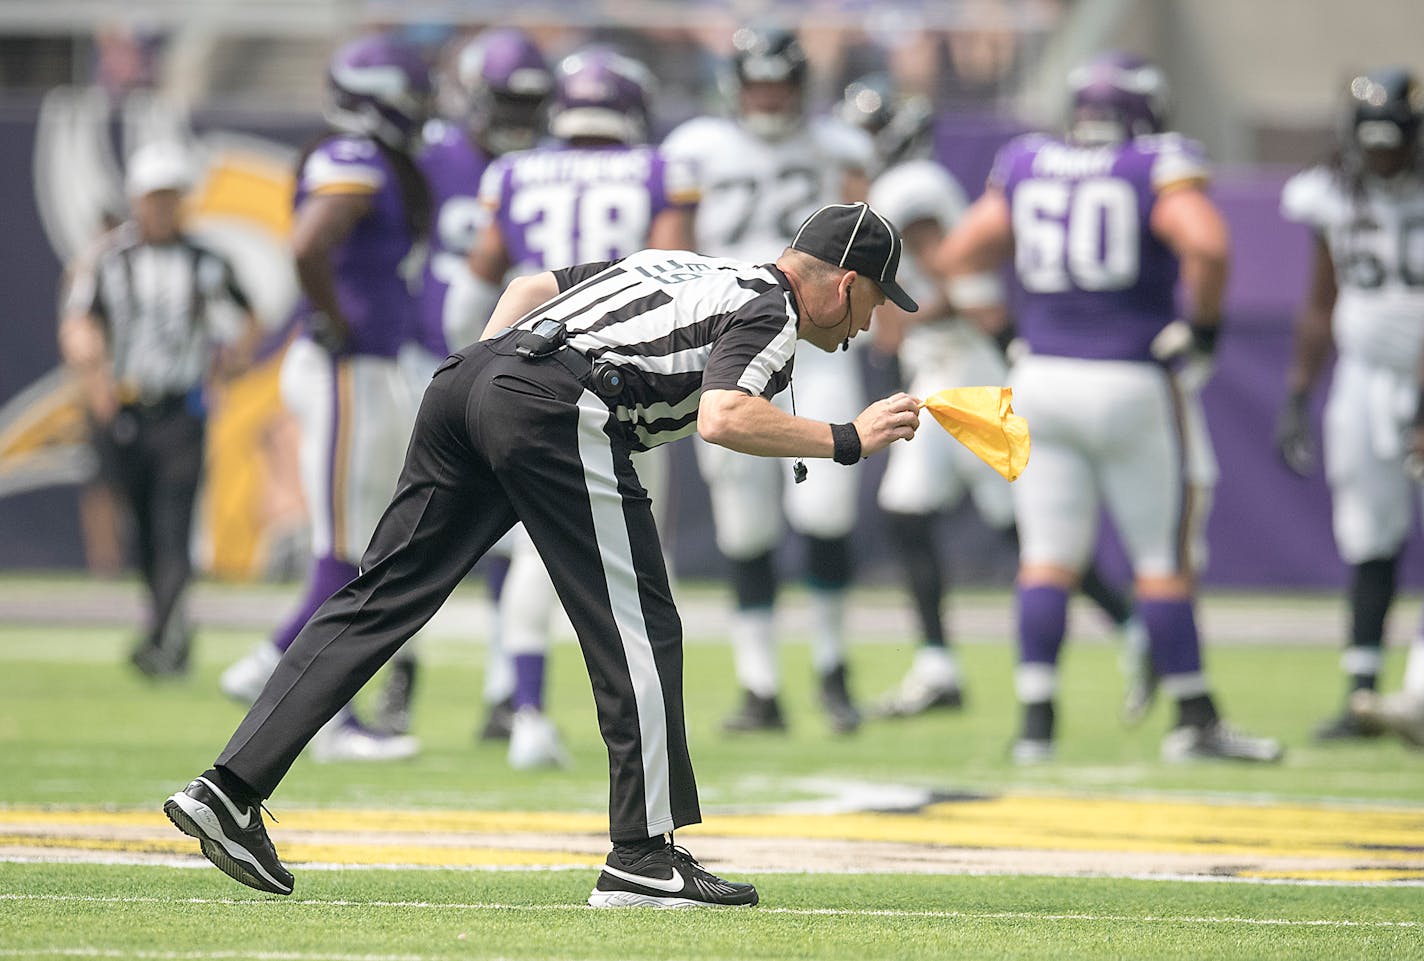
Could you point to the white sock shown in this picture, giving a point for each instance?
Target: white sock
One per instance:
(1035, 683)
(753, 651)
(828, 643)
(1414, 670)
(527, 603)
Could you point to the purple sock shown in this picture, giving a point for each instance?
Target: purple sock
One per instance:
(498, 571)
(328, 575)
(528, 681)
(1171, 636)
(1043, 620)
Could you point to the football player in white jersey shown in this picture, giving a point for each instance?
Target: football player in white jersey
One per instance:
(937, 349)
(762, 172)
(1366, 297)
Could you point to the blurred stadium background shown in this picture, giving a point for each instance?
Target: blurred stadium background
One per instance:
(83, 81)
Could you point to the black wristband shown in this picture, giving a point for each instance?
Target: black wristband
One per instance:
(847, 441)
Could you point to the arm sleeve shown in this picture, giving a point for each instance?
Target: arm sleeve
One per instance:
(754, 354)
(1306, 198)
(344, 166)
(1179, 163)
(572, 276)
(83, 295)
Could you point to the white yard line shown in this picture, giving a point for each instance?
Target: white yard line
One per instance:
(796, 912)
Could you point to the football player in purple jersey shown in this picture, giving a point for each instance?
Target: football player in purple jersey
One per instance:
(597, 193)
(361, 208)
(937, 348)
(504, 85)
(1101, 225)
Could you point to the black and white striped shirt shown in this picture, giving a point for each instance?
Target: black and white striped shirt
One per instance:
(165, 307)
(676, 324)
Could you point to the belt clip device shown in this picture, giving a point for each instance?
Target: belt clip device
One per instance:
(542, 339)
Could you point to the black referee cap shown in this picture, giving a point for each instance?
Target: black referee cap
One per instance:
(856, 237)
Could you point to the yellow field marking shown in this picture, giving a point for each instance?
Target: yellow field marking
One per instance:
(1361, 875)
(1377, 838)
(298, 852)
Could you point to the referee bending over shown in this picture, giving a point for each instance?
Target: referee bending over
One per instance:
(142, 329)
(577, 368)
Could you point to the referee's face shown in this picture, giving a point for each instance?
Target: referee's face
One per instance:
(158, 214)
(846, 312)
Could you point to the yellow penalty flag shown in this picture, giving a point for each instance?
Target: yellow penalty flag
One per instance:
(983, 419)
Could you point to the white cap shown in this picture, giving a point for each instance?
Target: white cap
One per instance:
(158, 166)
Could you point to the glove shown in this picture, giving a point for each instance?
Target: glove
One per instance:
(1293, 440)
(328, 334)
(1189, 350)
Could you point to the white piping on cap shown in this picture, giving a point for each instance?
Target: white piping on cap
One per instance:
(853, 231)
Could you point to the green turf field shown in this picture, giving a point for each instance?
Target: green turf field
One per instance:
(88, 752)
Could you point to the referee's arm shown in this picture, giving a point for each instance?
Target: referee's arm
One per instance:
(521, 296)
(754, 425)
(83, 344)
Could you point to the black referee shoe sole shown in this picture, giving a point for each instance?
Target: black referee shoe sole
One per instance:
(197, 819)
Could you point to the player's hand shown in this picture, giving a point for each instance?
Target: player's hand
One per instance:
(897, 417)
(1414, 460)
(330, 335)
(1293, 440)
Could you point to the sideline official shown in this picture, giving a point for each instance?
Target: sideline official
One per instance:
(536, 424)
(145, 324)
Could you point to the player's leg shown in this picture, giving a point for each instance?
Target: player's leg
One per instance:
(309, 390)
(823, 510)
(526, 610)
(573, 485)
(1056, 506)
(749, 524)
(177, 448)
(919, 483)
(1144, 471)
(499, 672)
(1371, 506)
(447, 510)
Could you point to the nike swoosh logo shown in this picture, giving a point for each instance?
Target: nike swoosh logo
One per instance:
(672, 885)
(243, 818)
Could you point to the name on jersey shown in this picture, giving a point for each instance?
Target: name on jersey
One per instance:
(674, 272)
(600, 166)
(1061, 160)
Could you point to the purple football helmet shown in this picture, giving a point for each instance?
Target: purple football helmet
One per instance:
(601, 94)
(506, 82)
(1116, 97)
(381, 88)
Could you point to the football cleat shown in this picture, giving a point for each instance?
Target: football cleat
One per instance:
(1349, 726)
(930, 684)
(499, 722)
(534, 742)
(1218, 741)
(344, 738)
(1031, 751)
(841, 713)
(756, 714)
(1400, 713)
(232, 836)
(668, 877)
(244, 680)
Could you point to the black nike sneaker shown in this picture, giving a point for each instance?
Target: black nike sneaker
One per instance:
(232, 836)
(669, 877)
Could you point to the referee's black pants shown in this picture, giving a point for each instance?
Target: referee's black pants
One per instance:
(154, 455)
(500, 438)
